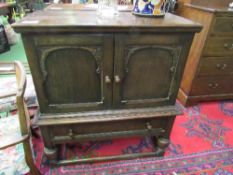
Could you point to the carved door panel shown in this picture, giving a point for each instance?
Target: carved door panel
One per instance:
(72, 70)
(145, 70)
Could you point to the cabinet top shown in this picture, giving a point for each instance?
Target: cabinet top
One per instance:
(213, 8)
(76, 18)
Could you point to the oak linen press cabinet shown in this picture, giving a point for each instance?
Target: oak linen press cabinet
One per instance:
(105, 78)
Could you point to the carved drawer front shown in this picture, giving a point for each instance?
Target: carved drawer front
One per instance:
(212, 85)
(216, 66)
(219, 46)
(223, 25)
(96, 131)
(72, 70)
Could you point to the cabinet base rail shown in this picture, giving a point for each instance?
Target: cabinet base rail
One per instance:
(157, 153)
(160, 144)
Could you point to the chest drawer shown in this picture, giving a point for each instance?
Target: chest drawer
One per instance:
(219, 46)
(212, 85)
(223, 24)
(93, 131)
(216, 66)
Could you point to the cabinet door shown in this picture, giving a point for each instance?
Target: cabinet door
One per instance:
(147, 71)
(69, 71)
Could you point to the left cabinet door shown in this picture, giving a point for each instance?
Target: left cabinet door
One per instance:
(71, 72)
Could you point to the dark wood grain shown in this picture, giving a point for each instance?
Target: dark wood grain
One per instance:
(197, 45)
(212, 3)
(208, 73)
(213, 66)
(105, 78)
(221, 21)
(140, 60)
(219, 46)
(78, 21)
(212, 85)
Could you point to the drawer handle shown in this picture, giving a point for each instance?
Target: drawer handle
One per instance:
(117, 79)
(107, 79)
(221, 67)
(213, 85)
(148, 126)
(71, 133)
(124, 101)
(228, 46)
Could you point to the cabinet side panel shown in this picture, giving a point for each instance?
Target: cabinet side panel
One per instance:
(205, 18)
(31, 54)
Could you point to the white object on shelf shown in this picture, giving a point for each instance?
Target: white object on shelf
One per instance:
(231, 5)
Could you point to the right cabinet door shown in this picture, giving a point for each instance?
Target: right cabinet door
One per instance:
(147, 70)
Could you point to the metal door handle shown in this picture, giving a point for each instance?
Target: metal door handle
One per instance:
(107, 79)
(71, 133)
(117, 79)
(148, 126)
(213, 85)
(221, 67)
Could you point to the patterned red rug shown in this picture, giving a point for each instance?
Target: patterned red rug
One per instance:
(201, 144)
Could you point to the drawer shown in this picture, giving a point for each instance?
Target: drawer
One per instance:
(216, 66)
(212, 85)
(219, 46)
(223, 25)
(105, 130)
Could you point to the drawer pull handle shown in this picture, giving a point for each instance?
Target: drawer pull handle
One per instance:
(124, 101)
(148, 125)
(228, 46)
(117, 79)
(221, 67)
(213, 85)
(107, 79)
(71, 133)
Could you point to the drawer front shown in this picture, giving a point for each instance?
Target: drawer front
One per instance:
(219, 46)
(105, 130)
(223, 25)
(216, 66)
(212, 85)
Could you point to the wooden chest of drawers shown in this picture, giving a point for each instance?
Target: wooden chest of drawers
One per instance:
(208, 73)
(105, 78)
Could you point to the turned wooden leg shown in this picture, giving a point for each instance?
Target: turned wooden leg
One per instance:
(162, 144)
(51, 153)
(50, 149)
